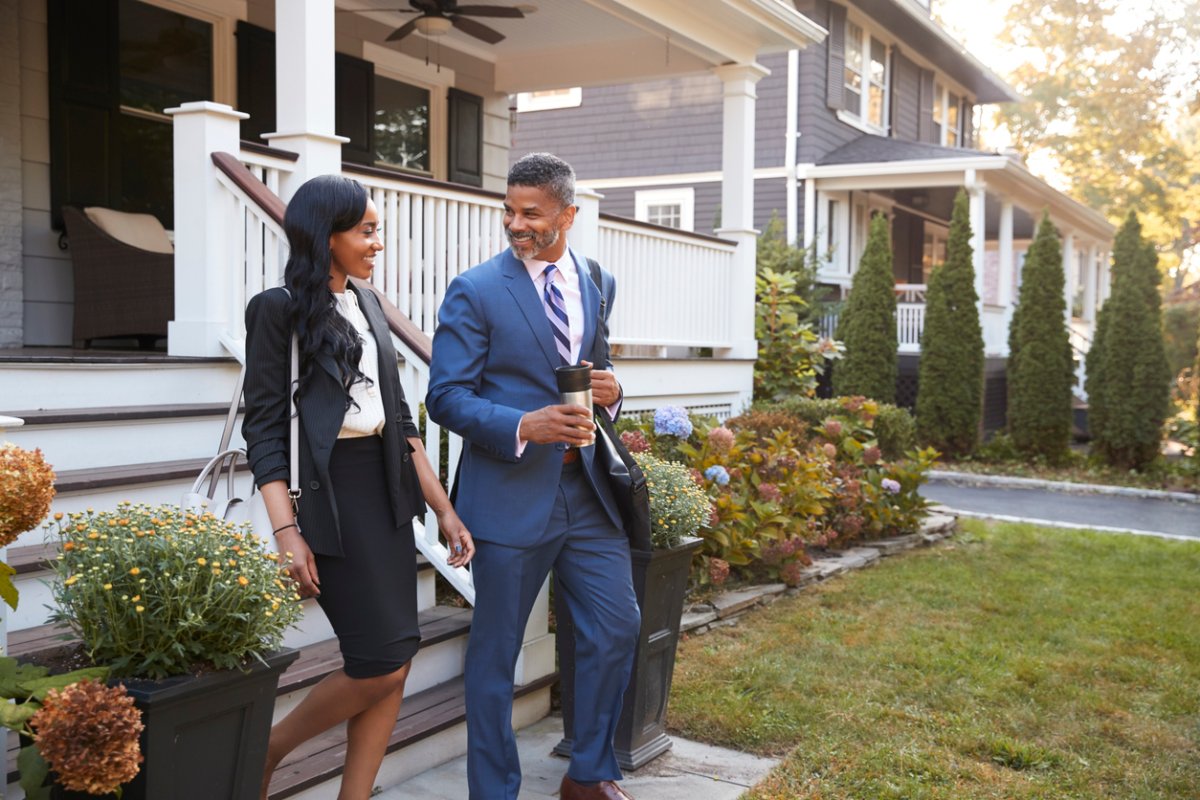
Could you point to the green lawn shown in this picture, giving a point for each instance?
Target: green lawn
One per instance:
(1014, 662)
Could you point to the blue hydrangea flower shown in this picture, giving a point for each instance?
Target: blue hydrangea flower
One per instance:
(672, 421)
(718, 474)
(890, 485)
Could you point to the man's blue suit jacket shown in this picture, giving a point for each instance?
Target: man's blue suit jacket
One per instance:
(494, 360)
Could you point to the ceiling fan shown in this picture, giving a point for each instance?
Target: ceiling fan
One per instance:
(436, 17)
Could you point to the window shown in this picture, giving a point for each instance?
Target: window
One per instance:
(866, 77)
(674, 208)
(947, 116)
(549, 99)
(933, 254)
(164, 59)
(401, 125)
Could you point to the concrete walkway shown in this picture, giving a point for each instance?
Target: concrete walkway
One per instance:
(688, 771)
(1063, 504)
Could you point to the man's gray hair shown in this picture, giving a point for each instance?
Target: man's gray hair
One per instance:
(545, 171)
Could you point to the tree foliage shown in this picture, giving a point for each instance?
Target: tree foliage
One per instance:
(1106, 83)
(950, 374)
(1128, 380)
(867, 325)
(1039, 367)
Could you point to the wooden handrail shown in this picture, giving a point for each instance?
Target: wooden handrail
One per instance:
(413, 337)
(255, 189)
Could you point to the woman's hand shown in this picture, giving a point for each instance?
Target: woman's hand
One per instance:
(302, 566)
(458, 538)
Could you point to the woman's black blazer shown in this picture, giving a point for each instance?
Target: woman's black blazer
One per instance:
(322, 406)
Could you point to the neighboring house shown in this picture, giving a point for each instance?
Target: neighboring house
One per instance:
(878, 118)
(130, 105)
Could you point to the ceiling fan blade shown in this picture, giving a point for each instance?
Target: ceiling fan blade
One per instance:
(402, 31)
(490, 11)
(477, 29)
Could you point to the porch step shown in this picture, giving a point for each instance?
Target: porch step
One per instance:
(90, 437)
(74, 382)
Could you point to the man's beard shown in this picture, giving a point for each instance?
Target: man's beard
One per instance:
(533, 245)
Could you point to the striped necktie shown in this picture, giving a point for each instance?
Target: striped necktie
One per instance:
(556, 312)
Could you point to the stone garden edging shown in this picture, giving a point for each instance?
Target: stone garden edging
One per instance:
(726, 608)
(1016, 482)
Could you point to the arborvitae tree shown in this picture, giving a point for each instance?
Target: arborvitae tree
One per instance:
(867, 325)
(950, 374)
(1039, 367)
(1128, 381)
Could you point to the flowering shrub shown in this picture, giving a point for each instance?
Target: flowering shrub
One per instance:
(160, 591)
(88, 734)
(678, 507)
(672, 421)
(26, 489)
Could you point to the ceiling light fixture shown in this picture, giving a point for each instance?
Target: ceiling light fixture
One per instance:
(433, 26)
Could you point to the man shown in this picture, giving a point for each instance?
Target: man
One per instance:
(527, 488)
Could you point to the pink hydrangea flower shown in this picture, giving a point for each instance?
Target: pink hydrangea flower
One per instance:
(721, 439)
(635, 441)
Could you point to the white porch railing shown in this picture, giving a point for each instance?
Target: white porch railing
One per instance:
(674, 287)
(1081, 343)
(431, 233)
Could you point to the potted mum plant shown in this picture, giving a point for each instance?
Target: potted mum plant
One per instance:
(189, 612)
(678, 507)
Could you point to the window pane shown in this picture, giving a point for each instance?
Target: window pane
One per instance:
(165, 58)
(952, 122)
(668, 214)
(875, 106)
(401, 124)
(938, 94)
(147, 171)
(878, 62)
(854, 54)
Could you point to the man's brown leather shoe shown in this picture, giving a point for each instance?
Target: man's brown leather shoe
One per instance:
(605, 790)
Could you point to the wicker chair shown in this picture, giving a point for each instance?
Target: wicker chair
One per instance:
(122, 290)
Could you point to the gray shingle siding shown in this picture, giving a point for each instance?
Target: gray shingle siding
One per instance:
(906, 98)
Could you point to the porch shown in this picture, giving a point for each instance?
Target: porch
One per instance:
(916, 190)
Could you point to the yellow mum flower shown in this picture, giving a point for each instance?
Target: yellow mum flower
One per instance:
(108, 587)
(70, 580)
(135, 571)
(243, 580)
(202, 561)
(140, 609)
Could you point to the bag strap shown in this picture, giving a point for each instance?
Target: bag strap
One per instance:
(293, 426)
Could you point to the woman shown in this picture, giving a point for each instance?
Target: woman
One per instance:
(364, 474)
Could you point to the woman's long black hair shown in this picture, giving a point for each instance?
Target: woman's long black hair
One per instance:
(323, 206)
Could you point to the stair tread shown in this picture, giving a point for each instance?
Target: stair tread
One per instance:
(422, 715)
(62, 416)
(93, 478)
(438, 624)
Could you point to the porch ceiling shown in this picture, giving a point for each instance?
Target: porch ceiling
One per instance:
(563, 43)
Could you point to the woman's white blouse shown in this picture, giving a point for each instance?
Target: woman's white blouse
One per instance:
(367, 418)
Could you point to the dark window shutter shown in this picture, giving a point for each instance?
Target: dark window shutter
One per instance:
(968, 125)
(835, 76)
(84, 84)
(925, 129)
(256, 79)
(466, 138)
(354, 83)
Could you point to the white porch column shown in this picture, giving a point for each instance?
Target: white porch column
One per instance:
(304, 90)
(585, 233)
(1105, 276)
(1007, 298)
(1089, 285)
(1069, 265)
(203, 271)
(810, 213)
(737, 201)
(976, 194)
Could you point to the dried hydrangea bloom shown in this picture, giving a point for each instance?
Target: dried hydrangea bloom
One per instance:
(26, 489)
(88, 734)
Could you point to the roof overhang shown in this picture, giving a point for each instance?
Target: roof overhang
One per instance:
(917, 29)
(1000, 175)
(604, 42)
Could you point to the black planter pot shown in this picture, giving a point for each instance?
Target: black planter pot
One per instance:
(660, 580)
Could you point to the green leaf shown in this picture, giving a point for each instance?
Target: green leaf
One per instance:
(38, 687)
(15, 715)
(33, 773)
(8, 590)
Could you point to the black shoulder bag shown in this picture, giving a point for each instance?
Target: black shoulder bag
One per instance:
(612, 458)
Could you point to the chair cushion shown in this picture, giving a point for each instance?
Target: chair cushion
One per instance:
(142, 231)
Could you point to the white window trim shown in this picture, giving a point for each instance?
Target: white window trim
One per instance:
(683, 196)
(835, 261)
(536, 101)
(223, 16)
(858, 119)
